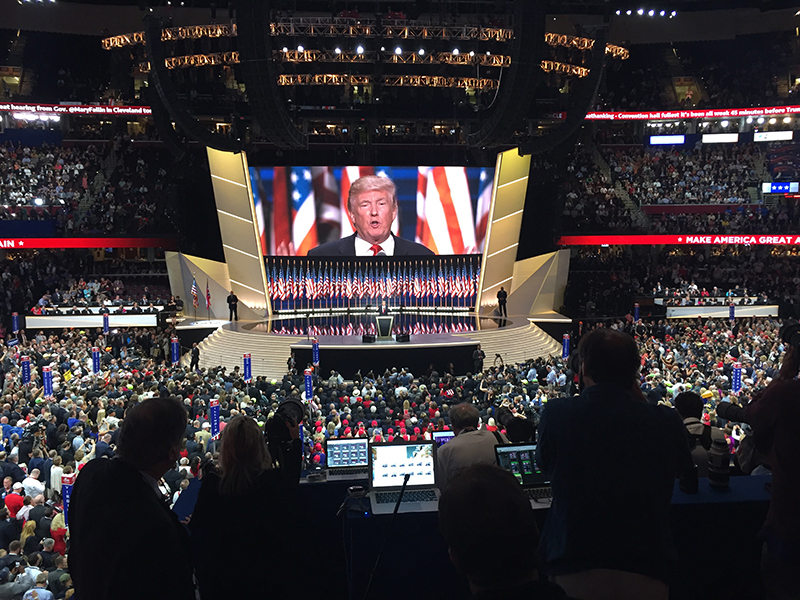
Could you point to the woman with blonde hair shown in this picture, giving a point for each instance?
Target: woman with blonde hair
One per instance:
(58, 531)
(28, 538)
(273, 540)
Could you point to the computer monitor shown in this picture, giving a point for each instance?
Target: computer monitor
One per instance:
(347, 453)
(389, 462)
(442, 437)
(520, 461)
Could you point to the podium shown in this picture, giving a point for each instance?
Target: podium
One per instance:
(384, 323)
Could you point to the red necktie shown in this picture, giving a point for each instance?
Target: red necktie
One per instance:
(375, 249)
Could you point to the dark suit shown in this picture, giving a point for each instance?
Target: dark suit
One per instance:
(111, 495)
(347, 247)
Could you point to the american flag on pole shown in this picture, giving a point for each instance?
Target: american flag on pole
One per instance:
(304, 213)
(208, 296)
(195, 298)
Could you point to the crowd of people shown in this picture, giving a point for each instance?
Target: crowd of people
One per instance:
(607, 281)
(113, 188)
(705, 175)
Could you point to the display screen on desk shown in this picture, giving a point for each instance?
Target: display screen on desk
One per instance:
(298, 209)
(391, 462)
(520, 461)
(347, 453)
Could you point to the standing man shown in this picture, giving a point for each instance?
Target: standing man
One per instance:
(372, 206)
(155, 542)
(195, 364)
(502, 296)
(383, 310)
(471, 446)
(233, 307)
(477, 359)
(607, 532)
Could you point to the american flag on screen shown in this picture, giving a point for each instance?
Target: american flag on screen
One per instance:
(445, 221)
(304, 215)
(482, 212)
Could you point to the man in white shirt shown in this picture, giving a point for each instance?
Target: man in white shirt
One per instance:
(33, 487)
(372, 207)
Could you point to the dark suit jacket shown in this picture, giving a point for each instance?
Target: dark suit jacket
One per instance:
(347, 247)
(111, 495)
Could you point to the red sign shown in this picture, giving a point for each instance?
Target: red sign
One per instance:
(694, 239)
(74, 109)
(718, 113)
(76, 242)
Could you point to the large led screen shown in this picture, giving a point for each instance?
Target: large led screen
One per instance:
(349, 211)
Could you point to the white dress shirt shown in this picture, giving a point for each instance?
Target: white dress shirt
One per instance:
(363, 247)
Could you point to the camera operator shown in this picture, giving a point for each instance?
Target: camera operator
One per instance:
(774, 415)
(246, 479)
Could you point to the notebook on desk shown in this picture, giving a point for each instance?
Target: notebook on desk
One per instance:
(388, 465)
(520, 461)
(347, 459)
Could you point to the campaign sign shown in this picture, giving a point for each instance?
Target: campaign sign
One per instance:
(565, 346)
(732, 315)
(14, 322)
(106, 327)
(175, 347)
(309, 384)
(67, 481)
(213, 415)
(96, 361)
(736, 377)
(47, 380)
(315, 352)
(248, 368)
(636, 311)
(26, 369)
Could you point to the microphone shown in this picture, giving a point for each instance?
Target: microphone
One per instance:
(381, 253)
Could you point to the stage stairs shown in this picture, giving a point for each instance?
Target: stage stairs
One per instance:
(269, 353)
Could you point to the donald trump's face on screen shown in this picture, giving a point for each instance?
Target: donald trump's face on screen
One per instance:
(372, 213)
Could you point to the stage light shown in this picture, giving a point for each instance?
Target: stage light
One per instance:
(674, 14)
(619, 12)
(422, 51)
(773, 120)
(338, 50)
(640, 12)
(628, 12)
(398, 50)
(787, 119)
(455, 51)
(383, 48)
(360, 50)
(749, 119)
(724, 123)
(662, 13)
(38, 201)
(472, 53)
(301, 48)
(285, 49)
(760, 120)
(651, 13)
(488, 53)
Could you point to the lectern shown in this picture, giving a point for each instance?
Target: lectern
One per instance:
(384, 326)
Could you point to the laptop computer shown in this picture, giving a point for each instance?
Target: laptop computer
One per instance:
(388, 465)
(520, 461)
(442, 437)
(347, 459)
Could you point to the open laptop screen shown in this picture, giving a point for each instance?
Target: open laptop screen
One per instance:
(390, 463)
(347, 453)
(520, 461)
(442, 437)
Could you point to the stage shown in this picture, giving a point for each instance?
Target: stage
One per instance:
(434, 339)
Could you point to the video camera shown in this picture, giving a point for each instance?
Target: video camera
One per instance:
(290, 412)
